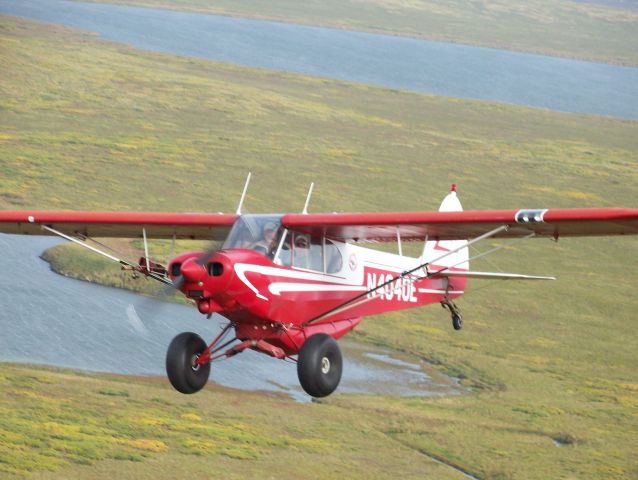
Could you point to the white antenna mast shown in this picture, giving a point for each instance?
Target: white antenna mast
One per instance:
(305, 207)
(243, 194)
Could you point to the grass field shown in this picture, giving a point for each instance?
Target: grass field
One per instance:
(588, 30)
(90, 125)
(57, 423)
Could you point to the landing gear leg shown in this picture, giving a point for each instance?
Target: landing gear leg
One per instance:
(457, 319)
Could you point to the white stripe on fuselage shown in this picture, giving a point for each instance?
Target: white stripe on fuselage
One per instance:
(242, 268)
(278, 287)
(336, 284)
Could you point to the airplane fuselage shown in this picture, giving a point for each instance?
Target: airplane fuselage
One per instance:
(278, 301)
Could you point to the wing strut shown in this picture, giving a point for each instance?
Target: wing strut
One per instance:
(145, 245)
(364, 297)
(145, 270)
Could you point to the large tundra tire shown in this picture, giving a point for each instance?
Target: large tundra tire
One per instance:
(319, 365)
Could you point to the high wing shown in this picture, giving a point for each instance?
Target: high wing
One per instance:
(380, 227)
(194, 226)
(340, 226)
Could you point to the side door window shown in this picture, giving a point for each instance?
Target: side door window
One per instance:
(307, 252)
(334, 262)
(285, 254)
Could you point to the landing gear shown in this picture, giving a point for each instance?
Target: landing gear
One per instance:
(457, 321)
(183, 372)
(319, 365)
(457, 318)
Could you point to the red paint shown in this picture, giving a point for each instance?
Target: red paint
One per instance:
(198, 226)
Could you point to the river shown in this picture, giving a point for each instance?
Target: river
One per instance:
(402, 63)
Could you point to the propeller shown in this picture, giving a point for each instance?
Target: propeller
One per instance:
(152, 303)
(201, 261)
(150, 306)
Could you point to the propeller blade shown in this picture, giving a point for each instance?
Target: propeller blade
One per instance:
(150, 305)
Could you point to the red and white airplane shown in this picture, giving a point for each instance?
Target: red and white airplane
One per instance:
(291, 284)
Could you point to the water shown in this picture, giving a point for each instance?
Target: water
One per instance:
(395, 62)
(46, 318)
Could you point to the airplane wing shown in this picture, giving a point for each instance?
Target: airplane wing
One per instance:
(380, 227)
(194, 226)
(340, 226)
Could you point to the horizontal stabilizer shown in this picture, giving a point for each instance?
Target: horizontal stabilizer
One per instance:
(491, 275)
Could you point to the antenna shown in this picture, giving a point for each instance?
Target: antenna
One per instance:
(305, 207)
(243, 194)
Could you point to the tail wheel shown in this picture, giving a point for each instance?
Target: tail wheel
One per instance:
(181, 367)
(319, 365)
(457, 321)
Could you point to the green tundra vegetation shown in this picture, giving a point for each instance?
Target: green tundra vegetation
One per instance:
(550, 367)
(600, 31)
(61, 424)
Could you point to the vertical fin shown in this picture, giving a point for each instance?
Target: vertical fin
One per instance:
(434, 248)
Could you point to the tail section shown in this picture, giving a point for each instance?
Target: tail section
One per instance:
(434, 249)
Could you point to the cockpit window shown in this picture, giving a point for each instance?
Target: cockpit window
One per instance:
(334, 263)
(307, 252)
(256, 232)
(263, 233)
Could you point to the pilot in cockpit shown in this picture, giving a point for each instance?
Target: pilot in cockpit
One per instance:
(302, 251)
(268, 243)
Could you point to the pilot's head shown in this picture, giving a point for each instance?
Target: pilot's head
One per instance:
(301, 241)
(270, 230)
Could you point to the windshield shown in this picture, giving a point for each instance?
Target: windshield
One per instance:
(256, 232)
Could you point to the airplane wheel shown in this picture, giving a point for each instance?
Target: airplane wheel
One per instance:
(457, 321)
(182, 372)
(319, 365)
